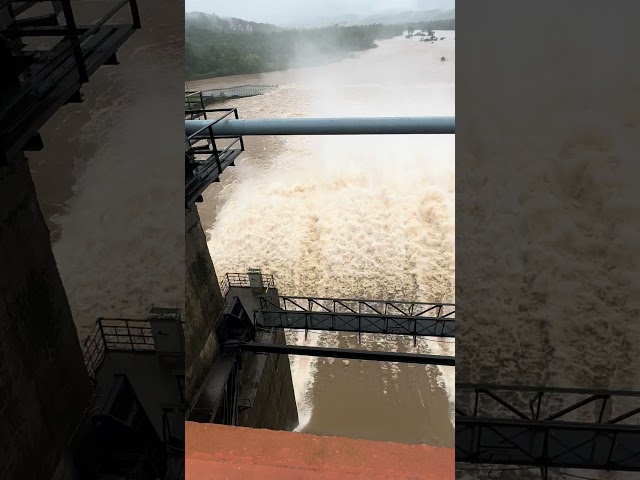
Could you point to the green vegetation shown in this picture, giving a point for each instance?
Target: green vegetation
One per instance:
(218, 47)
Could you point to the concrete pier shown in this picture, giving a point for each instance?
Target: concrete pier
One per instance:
(44, 386)
(266, 396)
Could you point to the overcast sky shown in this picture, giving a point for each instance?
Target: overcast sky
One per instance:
(302, 11)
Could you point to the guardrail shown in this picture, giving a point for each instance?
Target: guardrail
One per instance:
(75, 47)
(238, 87)
(194, 106)
(548, 427)
(242, 280)
(205, 159)
(116, 335)
(365, 307)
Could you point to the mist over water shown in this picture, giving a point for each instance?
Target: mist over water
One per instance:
(358, 217)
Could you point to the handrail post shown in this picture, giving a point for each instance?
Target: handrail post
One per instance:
(215, 150)
(73, 36)
(102, 336)
(135, 14)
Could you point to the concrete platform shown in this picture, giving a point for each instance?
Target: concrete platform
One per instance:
(221, 452)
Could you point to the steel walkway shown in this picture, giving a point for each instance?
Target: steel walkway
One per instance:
(238, 91)
(360, 316)
(548, 427)
(52, 77)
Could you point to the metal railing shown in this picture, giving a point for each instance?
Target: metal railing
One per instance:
(351, 305)
(238, 91)
(204, 135)
(205, 160)
(238, 87)
(48, 78)
(194, 105)
(242, 280)
(548, 427)
(116, 335)
(76, 35)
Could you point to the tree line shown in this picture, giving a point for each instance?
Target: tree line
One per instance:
(217, 54)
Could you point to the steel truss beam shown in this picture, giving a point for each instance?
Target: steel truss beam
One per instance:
(548, 427)
(217, 399)
(361, 316)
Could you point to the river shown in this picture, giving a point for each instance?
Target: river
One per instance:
(356, 217)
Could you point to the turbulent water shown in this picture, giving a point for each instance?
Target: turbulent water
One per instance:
(355, 217)
(547, 259)
(106, 179)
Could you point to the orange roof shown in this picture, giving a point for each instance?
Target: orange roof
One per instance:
(221, 452)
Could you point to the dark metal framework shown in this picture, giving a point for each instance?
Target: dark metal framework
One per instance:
(361, 316)
(124, 439)
(172, 420)
(239, 91)
(193, 105)
(242, 280)
(199, 99)
(349, 353)
(218, 398)
(116, 335)
(548, 427)
(38, 82)
(205, 159)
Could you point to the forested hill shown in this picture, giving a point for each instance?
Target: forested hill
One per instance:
(207, 21)
(217, 47)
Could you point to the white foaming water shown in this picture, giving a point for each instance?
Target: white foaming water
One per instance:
(303, 370)
(121, 249)
(357, 217)
(116, 207)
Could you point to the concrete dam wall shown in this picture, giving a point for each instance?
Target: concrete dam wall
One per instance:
(39, 347)
(266, 395)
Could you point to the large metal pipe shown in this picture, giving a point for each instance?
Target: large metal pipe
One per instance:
(325, 126)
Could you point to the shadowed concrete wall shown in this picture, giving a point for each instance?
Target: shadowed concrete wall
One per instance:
(274, 406)
(203, 306)
(44, 386)
(275, 403)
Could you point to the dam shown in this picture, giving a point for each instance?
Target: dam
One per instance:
(236, 368)
(114, 405)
